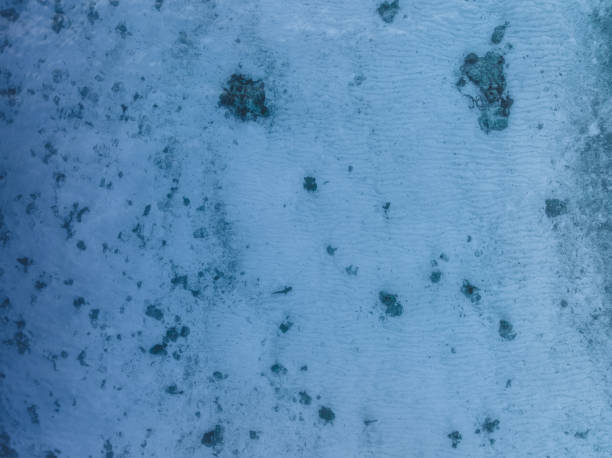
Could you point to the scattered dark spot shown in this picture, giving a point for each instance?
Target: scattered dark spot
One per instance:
(25, 262)
(92, 13)
(470, 291)
(158, 349)
(285, 326)
(244, 98)
(488, 426)
(81, 245)
(5, 447)
(435, 276)
(326, 414)
(154, 312)
(147, 210)
(158, 4)
(108, 447)
(213, 437)
(582, 434)
(200, 233)
(94, 314)
(352, 270)
(278, 369)
(10, 14)
(172, 334)
(310, 184)
(185, 331)
(388, 10)
(392, 306)
(506, 330)
(75, 213)
(173, 389)
(78, 302)
(81, 358)
(60, 178)
(219, 376)
(386, 208)
(305, 398)
(555, 207)
(564, 303)
(254, 435)
(122, 30)
(59, 21)
(455, 438)
(33, 413)
(498, 34)
(331, 250)
(285, 290)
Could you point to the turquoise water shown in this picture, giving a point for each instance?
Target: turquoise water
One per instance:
(310, 229)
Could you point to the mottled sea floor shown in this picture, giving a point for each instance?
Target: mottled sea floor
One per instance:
(306, 228)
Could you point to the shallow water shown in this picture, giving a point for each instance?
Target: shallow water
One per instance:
(254, 229)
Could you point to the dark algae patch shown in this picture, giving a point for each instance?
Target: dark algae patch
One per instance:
(326, 414)
(470, 291)
(455, 438)
(555, 208)
(213, 437)
(486, 73)
(392, 306)
(388, 10)
(310, 184)
(244, 97)
(506, 330)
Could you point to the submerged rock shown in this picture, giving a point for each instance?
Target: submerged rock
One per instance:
(487, 74)
(244, 97)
